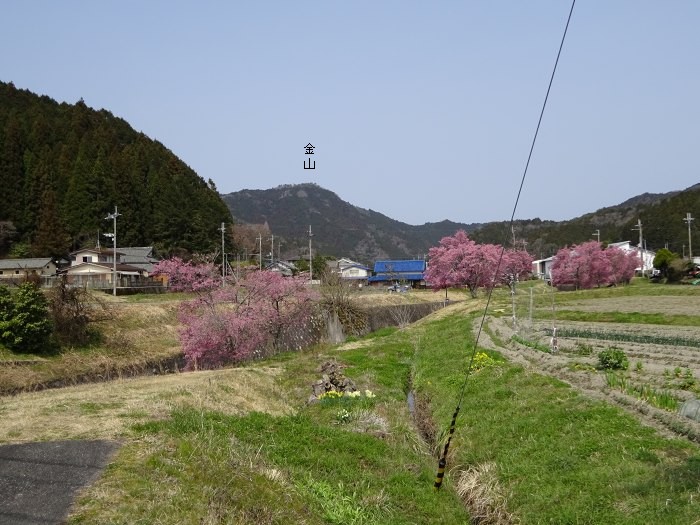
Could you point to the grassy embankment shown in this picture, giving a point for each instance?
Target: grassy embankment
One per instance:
(138, 336)
(558, 457)
(192, 456)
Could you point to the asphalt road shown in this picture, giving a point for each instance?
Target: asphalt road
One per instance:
(39, 481)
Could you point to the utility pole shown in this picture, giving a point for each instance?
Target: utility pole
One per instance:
(311, 261)
(260, 249)
(223, 255)
(641, 246)
(114, 216)
(597, 234)
(689, 218)
(272, 250)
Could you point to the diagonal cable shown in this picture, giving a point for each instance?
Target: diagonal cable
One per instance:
(443, 459)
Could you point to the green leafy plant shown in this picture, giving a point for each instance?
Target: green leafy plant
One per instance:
(625, 337)
(687, 381)
(531, 344)
(659, 398)
(24, 320)
(343, 416)
(613, 359)
(481, 361)
(584, 348)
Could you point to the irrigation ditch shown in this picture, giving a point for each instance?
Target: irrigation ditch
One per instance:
(17, 376)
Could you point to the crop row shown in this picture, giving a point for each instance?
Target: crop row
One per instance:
(625, 337)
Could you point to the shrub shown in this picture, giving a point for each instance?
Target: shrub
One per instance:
(24, 320)
(72, 310)
(613, 359)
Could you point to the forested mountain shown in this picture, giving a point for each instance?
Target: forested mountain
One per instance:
(339, 228)
(63, 168)
(661, 215)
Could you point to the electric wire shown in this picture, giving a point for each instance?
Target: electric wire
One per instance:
(443, 459)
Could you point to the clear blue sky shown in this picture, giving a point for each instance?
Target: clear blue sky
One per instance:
(420, 110)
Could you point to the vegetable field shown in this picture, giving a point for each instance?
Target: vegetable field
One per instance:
(656, 342)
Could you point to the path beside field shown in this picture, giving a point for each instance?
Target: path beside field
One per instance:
(39, 481)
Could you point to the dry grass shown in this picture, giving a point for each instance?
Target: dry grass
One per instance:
(106, 410)
(380, 297)
(480, 491)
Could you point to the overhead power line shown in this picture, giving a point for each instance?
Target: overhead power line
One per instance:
(443, 458)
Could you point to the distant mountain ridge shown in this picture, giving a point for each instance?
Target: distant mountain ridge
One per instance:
(339, 228)
(342, 229)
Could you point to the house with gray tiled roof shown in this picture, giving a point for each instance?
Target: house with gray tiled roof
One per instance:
(21, 268)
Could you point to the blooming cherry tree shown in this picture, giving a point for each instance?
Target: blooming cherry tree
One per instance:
(515, 266)
(187, 276)
(623, 264)
(588, 265)
(459, 261)
(230, 323)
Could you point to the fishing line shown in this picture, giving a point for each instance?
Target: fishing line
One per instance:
(443, 459)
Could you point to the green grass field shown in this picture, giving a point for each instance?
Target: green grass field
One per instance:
(230, 452)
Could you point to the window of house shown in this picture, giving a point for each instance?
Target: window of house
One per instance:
(87, 258)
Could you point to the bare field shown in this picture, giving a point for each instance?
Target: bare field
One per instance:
(381, 297)
(665, 304)
(664, 361)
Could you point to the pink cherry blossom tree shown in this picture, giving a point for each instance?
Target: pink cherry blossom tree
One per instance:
(187, 276)
(623, 264)
(225, 324)
(515, 266)
(588, 265)
(459, 261)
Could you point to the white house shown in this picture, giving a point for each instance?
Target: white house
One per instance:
(646, 259)
(95, 267)
(542, 268)
(22, 268)
(349, 269)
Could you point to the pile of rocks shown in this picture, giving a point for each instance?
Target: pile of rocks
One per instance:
(332, 379)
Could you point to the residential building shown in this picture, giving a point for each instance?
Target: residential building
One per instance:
(140, 257)
(646, 258)
(542, 268)
(401, 271)
(20, 269)
(349, 269)
(286, 269)
(94, 267)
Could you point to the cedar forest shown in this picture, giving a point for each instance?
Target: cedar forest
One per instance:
(63, 168)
